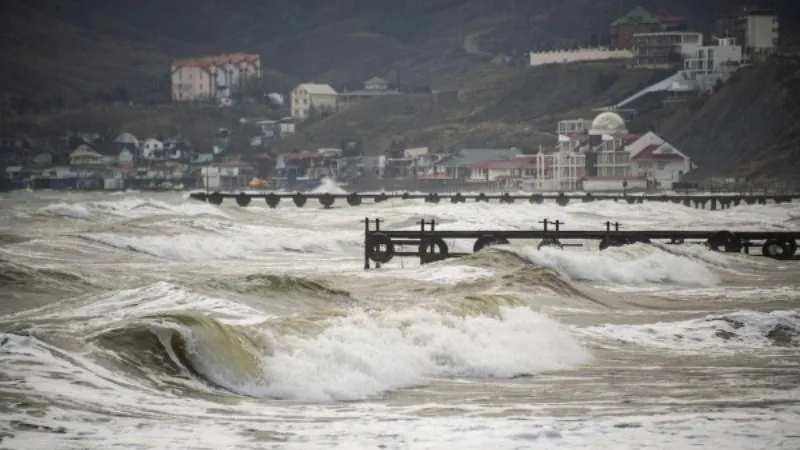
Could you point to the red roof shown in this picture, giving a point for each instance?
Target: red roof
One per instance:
(648, 153)
(516, 163)
(207, 61)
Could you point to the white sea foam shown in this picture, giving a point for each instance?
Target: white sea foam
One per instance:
(363, 354)
(739, 330)
(630, 265)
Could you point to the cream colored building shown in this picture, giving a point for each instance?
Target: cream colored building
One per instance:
(308, 97)
(213, 77)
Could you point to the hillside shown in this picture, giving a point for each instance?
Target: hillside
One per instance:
(749, 127)
(516, 108)
(64, 51)
(74, 53)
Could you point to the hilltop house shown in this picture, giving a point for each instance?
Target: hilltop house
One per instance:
(756, 29)
(638, 20)
(373, 88)
(308, 99)
(213, 77)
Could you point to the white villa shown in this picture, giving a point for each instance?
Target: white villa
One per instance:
(213, 77)
(307, 97)
(600, 155)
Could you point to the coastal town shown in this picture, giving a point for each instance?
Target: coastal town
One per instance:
(591, 154)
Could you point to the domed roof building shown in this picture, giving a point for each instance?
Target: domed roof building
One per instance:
(608, 123)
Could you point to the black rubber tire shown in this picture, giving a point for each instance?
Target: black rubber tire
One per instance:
(506, 198)
(777, 249)
(354, 199)
(725, 241)
(243, 199)
(457, 198)
(199, 196)
(272, 200)
(215, 198)
(537, 199)
(792, 247)
(372, 246)
(427, 253)
(488, 240)
(481, 198)
(432, 198)
(327, 200)
(299, 200)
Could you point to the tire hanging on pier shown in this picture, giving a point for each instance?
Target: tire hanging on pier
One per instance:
(354, 199)
(272, 200)
(381, 197)
(537, 199)
(506, 198)
(562, 199)
(778, 249)
(242, 199)
(299, 200)
(588, 198)
(327, 200)
(458, 198)
(379, 248)
(199, 196)
(215, 198)
(433, 249)
(724, 241)
(432, 198)
(488, 240)
(481, 198)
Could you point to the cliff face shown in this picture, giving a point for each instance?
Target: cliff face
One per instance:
(750, 127)
(80, 47)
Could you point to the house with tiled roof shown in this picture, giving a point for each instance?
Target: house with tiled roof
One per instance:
(659, 161)
(511, 169)
(308, 99)
(458, 166)
(638, 20)
(213, 78)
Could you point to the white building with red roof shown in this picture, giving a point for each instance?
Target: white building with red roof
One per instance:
(662, 164)
(213, 77)
(520, 168)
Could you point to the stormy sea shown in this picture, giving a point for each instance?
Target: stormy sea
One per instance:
(153, 321)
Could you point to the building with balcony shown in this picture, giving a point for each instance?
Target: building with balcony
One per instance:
(664, 49)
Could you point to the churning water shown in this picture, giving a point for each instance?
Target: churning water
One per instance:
(135, 320)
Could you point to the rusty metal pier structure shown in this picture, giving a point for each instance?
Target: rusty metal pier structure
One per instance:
(327, 200)
(428, 243)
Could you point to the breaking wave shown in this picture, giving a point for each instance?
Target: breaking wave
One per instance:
(629, 265)
(345, 354)
(738, 330)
